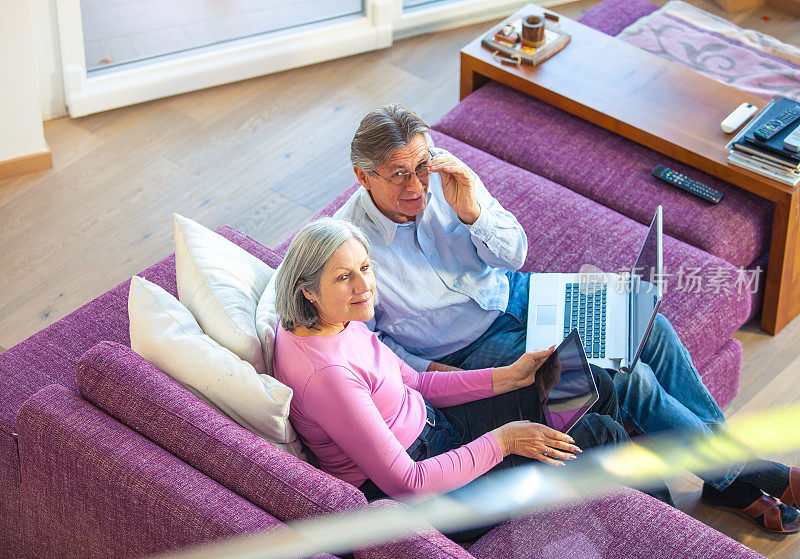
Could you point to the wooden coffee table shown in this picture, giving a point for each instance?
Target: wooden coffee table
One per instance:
(663, 106)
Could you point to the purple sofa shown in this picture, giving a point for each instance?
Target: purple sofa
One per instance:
(104, 456)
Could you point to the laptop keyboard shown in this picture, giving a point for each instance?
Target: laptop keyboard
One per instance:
(585, 309)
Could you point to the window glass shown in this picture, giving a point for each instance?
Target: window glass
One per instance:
(122, 31)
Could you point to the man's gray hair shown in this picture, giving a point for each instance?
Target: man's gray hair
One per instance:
(308, 253)
(382, 132)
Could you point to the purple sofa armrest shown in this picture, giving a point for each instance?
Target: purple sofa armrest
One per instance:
(626, 524)
(94, 488)
(430, 544)
(129, 388)
(612, 16)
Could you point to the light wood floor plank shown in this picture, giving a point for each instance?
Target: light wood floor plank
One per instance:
(262, 156)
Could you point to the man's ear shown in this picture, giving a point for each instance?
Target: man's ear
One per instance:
(361, 175)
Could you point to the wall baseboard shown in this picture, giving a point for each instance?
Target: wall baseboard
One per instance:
(26, 164)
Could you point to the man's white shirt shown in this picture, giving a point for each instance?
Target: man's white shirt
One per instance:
(441, 283)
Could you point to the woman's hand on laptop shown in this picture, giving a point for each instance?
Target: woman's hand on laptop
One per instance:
(521, 373)
(536, 441)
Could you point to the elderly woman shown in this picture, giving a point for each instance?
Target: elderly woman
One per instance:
(378, 424)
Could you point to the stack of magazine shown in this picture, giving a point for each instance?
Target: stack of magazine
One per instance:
(770, 158)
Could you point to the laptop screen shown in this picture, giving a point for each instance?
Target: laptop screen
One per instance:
(565, 384)
(646, 289)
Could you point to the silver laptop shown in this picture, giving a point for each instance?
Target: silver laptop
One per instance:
(612, 312)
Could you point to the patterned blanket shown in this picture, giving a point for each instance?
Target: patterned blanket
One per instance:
(712, 46)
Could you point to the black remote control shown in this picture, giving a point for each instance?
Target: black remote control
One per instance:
(781, 121)
(689, 185)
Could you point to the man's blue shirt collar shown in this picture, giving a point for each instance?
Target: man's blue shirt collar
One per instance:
(385, 226)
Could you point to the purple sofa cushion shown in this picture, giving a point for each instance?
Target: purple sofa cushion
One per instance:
(627, 524)
(612, 16)
(720, 372)
(428, 544)
(50, 356)
(10, 498)
(759, 267)
(609, 169)
(130, 389)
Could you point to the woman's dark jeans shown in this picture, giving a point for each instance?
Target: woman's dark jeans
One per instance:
(458, 425)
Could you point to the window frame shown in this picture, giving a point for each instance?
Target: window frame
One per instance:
(382, 22)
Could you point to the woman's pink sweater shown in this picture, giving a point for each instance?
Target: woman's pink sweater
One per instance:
(358, 407)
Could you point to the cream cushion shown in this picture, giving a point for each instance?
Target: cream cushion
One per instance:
(165, 333)
(220, 283)
(267, 322)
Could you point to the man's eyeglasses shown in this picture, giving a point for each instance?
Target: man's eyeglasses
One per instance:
(399, 179)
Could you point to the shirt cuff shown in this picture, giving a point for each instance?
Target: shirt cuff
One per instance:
(497, 454)
(419, 364)
(483, 228)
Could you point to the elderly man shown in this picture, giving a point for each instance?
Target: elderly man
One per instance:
(446, 249)
(446, 254)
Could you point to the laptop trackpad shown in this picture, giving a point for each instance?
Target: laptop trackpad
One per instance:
(546, 315)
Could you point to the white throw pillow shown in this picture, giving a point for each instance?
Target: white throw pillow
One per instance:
(267, 322)
(165, 333)
(220, 283)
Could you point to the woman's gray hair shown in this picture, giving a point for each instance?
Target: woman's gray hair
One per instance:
(382, 132)
(308, 253)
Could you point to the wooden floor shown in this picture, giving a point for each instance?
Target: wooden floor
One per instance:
(262, 156)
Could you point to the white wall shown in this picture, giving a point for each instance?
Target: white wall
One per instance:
(48, 58)
(21, 131)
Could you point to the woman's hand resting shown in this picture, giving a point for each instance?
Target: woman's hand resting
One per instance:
(532, 440)
(521, 373)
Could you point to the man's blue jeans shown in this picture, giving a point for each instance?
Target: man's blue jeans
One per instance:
(663, 393)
